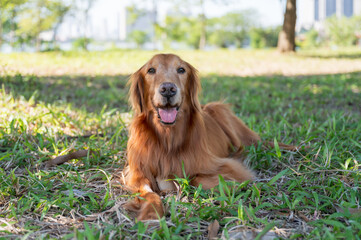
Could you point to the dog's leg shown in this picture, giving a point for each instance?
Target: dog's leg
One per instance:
(148, 205)
(228, 168)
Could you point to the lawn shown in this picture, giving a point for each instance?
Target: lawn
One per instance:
(54, 103)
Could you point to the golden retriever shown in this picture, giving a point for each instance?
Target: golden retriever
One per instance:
(172, 132)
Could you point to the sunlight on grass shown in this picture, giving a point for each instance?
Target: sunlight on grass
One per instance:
(238, 62)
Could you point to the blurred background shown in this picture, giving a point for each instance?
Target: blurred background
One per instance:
(47, 25)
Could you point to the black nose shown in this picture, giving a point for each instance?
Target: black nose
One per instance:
(168, 89)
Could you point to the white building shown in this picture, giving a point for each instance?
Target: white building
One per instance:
(311, 13)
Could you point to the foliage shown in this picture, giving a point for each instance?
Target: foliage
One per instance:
(136, 35)
(181, 29)
(231, 29)
(134, 13)
(264, 37)
(49, 46)
(312, 193)
(8, 12)
(341, 31)
(81, 43)
(139, 37)
(37, 16)
(59, 10)
(84, 7)
(311, 39)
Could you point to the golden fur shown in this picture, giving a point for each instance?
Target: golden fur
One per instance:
(202, 138)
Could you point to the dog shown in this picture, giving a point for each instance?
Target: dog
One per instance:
(171, 134)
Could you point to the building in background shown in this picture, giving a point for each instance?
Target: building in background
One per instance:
(112, 25)
(311, 13)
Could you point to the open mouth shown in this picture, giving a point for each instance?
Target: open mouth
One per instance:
(167, 115)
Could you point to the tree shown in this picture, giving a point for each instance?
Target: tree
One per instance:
(37, 16)
(181, 29)
(286, 38)
(264, 37)
(81, 43)
(202, 19)
(60, 10)
(85, 6)
(232, 28)
(139, 37)
(134, 13)
(8, 11)
(341, 31)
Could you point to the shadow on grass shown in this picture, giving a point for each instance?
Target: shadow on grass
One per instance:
(257, 94)
(268, 94)
(84, 92)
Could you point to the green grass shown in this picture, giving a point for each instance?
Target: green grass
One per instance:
(311, 194)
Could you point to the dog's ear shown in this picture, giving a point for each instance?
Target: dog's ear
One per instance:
(194, 88)
(136, 92)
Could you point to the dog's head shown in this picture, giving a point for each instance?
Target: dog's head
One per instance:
(166, 85)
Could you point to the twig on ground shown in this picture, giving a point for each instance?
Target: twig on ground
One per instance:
(68, 157)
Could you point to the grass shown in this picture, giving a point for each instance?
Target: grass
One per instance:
(227, 62)
(49, 100)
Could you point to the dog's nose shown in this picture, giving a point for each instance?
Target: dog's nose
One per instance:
(168, 89)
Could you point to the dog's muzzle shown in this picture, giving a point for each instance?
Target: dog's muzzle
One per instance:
(167, 113)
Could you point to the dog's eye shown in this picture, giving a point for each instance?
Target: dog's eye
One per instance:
(151, 70)
(181, 70)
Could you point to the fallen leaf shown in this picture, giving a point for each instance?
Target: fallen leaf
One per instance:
(353, 211)
(303, 217)
(250, 234)
(213, 230)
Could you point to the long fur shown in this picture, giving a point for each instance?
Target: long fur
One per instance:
(202, 140)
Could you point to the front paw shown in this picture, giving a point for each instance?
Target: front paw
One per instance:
(152, 207)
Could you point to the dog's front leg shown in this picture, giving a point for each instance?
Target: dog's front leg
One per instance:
(148, 205)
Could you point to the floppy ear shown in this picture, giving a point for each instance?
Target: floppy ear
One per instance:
(136, 92)
(194, 84)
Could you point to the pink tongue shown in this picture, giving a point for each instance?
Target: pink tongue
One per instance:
(168, 115)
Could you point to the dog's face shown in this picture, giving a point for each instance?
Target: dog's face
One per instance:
(165, 85)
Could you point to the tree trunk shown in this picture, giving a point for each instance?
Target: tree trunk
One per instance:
(37, 44)
(202, 39)
(1, 26)
(155, 12)
(39, 22)
(13, 28)
(56, 28)
(286, 38)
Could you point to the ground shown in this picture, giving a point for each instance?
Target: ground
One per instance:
(51, 102)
